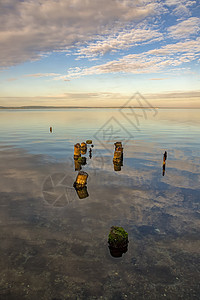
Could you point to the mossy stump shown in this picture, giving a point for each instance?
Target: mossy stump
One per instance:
(118, 241)
(82, 160)
(118, 237)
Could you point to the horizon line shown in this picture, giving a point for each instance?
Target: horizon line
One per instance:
(85, 107)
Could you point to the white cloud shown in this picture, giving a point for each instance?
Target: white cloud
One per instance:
(151, 61)
(188, 47)
(123, 40)
(185, 28)
(158, 78)
(34, 27)
(180, 8)
(41, 75)
(11, 79)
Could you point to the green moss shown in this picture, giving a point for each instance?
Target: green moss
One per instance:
(118, 237)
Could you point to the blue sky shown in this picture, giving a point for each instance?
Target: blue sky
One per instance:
(99, 53)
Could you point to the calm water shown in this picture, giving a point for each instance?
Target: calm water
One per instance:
(53, 239)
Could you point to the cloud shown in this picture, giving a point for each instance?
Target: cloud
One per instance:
(123, 40)
(41, 75)
(190, 47)
(105, 99)
(171, 55)
(175, 94)
(185, 28)
(11, 79)
(180, 8)
(31, 28)
(158, 78)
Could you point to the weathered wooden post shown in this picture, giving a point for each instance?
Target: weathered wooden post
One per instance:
(118, 241)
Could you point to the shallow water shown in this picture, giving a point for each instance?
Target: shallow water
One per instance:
(54, 239)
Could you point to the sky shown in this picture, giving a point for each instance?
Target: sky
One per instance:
(99, 52)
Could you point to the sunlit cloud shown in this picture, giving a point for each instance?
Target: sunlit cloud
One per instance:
(29, 29)
(122, 40)
(90, 46)
(151, 61)
(41, 75)
(185, 28)
(180, 8)
(158, 78)
(11, 79)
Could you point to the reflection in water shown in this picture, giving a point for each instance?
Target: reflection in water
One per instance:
(80, 184)
(57, 191)
(82, 160)
(163, 169)
(79, 161)
(117, 252)
(77, 164)
(118, 156)
(164, 162)
(82, 192)
(77, 156)
(63, 250)
(90, 153)
(165, 156)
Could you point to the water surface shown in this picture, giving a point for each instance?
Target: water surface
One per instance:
(54, 240)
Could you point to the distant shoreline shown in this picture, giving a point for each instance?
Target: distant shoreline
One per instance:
(89, 107)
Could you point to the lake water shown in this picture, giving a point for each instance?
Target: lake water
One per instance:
(54, 239)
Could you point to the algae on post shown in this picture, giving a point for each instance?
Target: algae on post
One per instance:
(118, 237)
